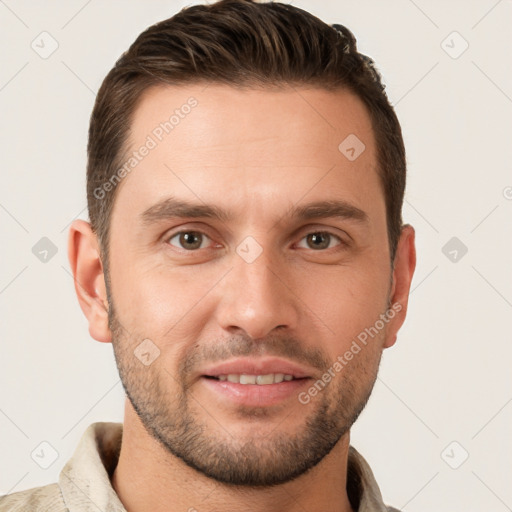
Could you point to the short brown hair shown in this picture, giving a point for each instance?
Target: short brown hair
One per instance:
(238, 43)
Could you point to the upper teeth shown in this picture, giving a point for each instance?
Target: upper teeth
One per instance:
(270, 378)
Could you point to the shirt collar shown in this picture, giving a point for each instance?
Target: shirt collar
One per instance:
(85, 479)
(362, 488)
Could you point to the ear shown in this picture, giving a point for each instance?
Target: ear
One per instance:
(403, 270)
(84, 258)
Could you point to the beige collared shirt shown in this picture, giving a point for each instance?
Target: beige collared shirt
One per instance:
(84, 482)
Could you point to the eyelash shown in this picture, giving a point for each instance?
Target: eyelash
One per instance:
(341, 243)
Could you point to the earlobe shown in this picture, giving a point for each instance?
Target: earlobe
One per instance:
(85, 261)
(403, 271)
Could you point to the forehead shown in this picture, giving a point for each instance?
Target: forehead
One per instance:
(227, 115)
(220, 144)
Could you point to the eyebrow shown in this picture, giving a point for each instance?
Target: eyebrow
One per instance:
(172, 207)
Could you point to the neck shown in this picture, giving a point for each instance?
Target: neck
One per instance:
(148, 477)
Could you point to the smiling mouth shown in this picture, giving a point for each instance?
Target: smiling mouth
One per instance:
(259, 380)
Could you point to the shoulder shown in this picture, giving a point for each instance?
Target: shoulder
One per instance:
(47, 498)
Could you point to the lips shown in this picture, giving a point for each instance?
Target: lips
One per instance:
(243, 371)
(255, 382)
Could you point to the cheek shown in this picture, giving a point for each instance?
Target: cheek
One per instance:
(348, 304)
(159, 302)
(346, 301)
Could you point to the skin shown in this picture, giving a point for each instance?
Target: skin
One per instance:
(256, 153)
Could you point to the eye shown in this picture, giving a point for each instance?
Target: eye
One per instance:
(320, 240)
(189, 240)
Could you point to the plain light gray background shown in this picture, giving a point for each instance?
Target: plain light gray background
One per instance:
(447, 379)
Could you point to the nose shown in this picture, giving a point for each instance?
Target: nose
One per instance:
(257, 298)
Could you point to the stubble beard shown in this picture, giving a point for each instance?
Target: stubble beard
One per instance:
(190, 431)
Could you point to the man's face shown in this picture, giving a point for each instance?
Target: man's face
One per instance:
(274, 288)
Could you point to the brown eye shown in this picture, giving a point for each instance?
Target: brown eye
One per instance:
(320, 240)
(189, 240)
